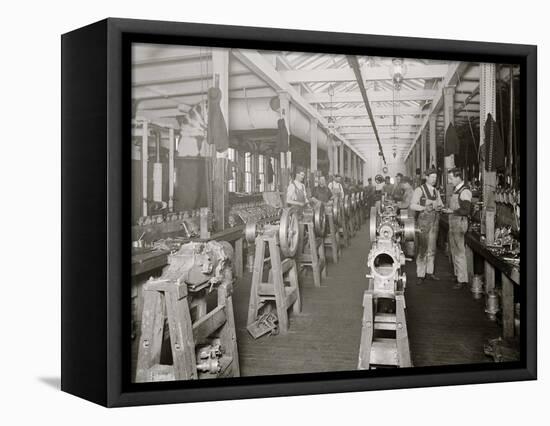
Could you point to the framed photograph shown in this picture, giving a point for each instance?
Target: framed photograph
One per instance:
(254, 212)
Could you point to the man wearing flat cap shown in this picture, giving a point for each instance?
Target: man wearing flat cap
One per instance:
(427, 204)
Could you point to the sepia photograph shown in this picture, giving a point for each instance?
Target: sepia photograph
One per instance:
(304, 212)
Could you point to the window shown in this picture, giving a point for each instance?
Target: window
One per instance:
(232, 178)
(261, 173)
(248, 172)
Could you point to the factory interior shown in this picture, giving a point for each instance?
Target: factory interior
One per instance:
(308, 212)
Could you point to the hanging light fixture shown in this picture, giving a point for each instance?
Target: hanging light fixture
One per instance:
(398, 70)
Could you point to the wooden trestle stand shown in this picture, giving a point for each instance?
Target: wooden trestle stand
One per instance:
(203, 345)
(311, 245)
(282, 285)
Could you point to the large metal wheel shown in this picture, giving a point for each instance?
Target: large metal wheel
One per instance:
(319, 217)
(336, 211)
(289, 232)
(353, 201)
(250, 232)
(372, 224)
(347, 205)
(408, 229)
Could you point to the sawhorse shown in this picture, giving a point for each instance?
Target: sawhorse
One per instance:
(173, 301)
(332, 240)
(311, 253)
(282, 282)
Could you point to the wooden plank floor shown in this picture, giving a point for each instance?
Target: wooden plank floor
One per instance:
(446, 326)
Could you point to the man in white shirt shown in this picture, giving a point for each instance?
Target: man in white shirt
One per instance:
(459, 210)
(296, 194)
(426, 201)
(336, 187)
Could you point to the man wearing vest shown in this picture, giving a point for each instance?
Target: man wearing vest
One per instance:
(398, 192)
(336, 187)
(459, 210)
(426, 201)
(296, 192)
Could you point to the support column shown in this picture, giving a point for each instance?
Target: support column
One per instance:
(313, 145)
(423, 153)
(313, 148)
(449, 116)
(220, 188)
(341, 170)
(487, 94)
(353, 167)
(172, 143)
(348, 171)
(433, 149)
(284, 108)
(144, 165)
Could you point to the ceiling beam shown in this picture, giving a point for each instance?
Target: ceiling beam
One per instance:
(383, 131)
(381, 122)
(261, 67)
(369, 74)
(374, 96)
(360, 112)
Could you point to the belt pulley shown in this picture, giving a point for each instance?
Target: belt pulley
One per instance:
(289, 232)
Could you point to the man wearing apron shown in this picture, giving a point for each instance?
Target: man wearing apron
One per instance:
(459, 210)
(426, 202)
(336, 187)
(296, 192)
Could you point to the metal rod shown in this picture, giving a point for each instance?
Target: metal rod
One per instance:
(511, 125)
(357, 71)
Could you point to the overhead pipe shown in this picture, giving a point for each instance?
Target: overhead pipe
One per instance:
(354, 63)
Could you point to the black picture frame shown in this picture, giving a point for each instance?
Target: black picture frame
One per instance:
(95, 211)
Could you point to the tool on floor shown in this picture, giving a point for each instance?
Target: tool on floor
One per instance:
(276, 245)
(384, 338)
(266, 323)
(194, 271)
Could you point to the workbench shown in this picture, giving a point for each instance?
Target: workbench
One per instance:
(510, 273)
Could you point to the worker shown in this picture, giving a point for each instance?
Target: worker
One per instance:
(459, 210)
(397, 193)
(321, 193)
(387, 189)
(408, 191)
(370, 189)
(336, 187)
(426, 201)
(296, 194)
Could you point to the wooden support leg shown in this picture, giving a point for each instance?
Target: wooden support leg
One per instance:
(278, 282)
(333, 239)
(228, 336)
(239, 258)
(314, 256)
(181, 336)
(322, 259)
(470, 262)
(366, 332)
(257, 276)
(294, 285)
(507, 307)
(401, 335)
(152, 327)
(489, 277)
